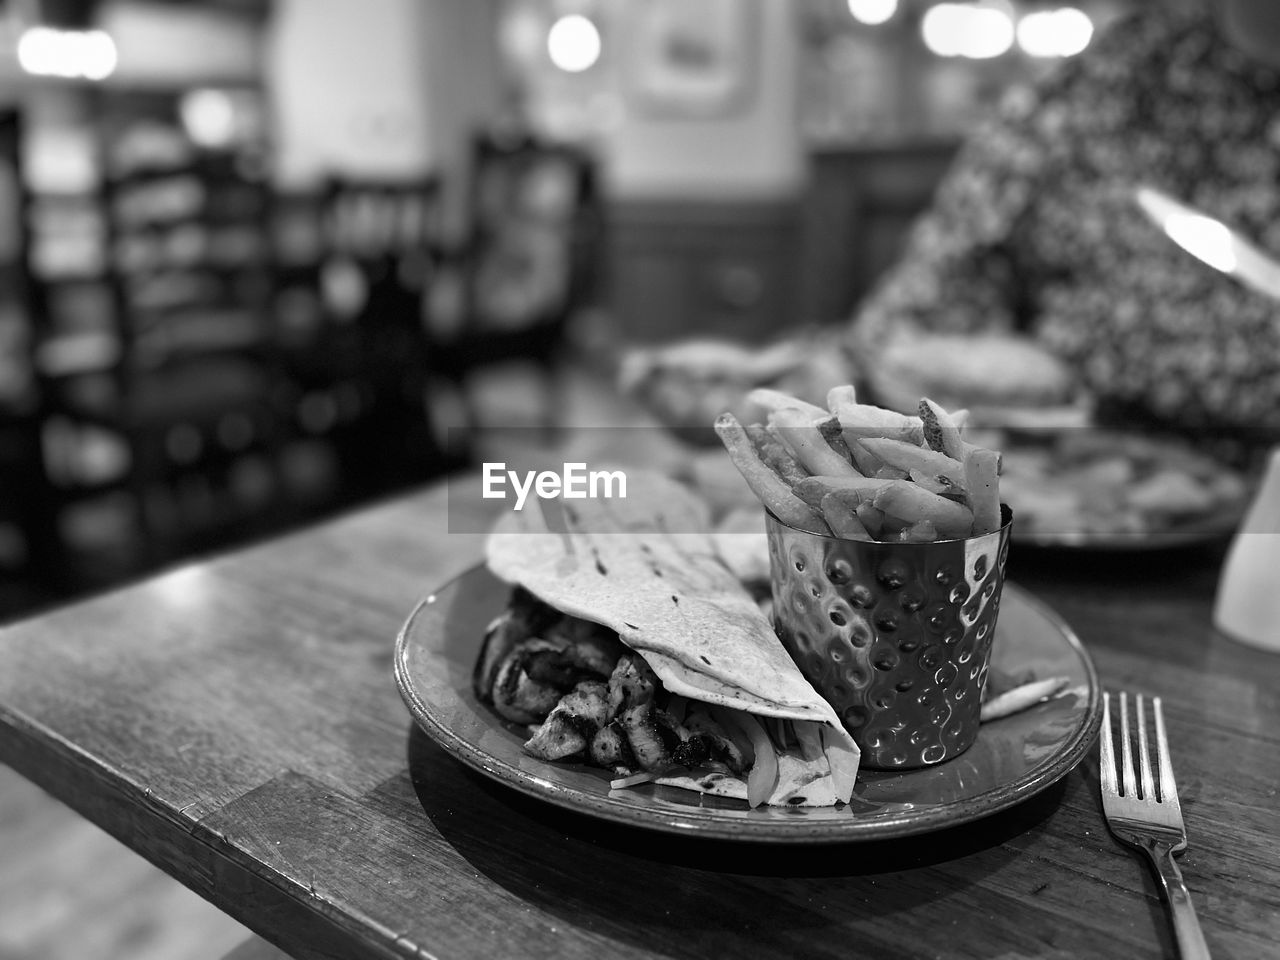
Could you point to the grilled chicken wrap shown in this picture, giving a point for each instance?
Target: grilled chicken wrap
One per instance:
(631, 645)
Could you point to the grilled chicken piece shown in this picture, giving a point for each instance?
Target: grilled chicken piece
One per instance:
(589, 646)
(500, 638)
(671, 730)
(525, 617)
(610, 749)
(632, 683)
(693, 752)
(573, 723)
(718, 744)
(645, 737)
(549, 662)
(688, 748)
(546, 670)
(522, 692)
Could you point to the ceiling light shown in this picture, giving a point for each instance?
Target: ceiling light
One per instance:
(573, 43)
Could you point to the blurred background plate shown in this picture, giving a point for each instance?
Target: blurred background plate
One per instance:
(1200, 531)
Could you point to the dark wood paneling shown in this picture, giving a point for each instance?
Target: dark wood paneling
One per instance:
(859, 207)
(754, 270)
(723, 269)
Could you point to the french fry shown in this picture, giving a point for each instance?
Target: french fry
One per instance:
(911, 502)
(764, 483)
(776, 454)
(810, 447)
(922, 531)
(1019, 698)
(771, 401)
(862, 472)
(841, 396)
(830, 430)
(853, 490)
(867, 462)
(940, 431)
(934, 484)
(891, 527)
(862, 458)
(911, 458)
(842, 519)
(863, 420)
(890, 473)
(872, 518)
(982, 484)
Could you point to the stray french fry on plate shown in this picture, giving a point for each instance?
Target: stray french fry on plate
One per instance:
(1020, 698)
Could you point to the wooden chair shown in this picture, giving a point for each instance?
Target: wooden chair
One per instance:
(200, 377)
(378, 239)
(28, 547)
(528, 264)
(189, 388)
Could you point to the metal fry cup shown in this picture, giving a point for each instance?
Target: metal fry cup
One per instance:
(896, 636)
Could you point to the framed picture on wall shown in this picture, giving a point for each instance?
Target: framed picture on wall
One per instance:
(692, 58)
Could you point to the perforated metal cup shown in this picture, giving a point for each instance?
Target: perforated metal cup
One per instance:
(896, 636)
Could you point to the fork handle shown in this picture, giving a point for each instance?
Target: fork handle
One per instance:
(1186, 927)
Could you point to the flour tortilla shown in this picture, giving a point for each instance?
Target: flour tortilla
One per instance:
(648, 568)
(800, 784)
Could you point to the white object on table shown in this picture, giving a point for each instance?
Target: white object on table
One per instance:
(1247, 607)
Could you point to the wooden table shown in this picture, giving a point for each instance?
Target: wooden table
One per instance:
(235, 722)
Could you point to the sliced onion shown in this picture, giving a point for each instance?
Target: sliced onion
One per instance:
(736, 731)
(843, 757)
(809, 738)
(634, 780)
(763, 778)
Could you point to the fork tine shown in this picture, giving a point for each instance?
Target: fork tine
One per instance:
(1168, 789)
(1107, 757)
(1126, 751)
(1153, 827)
(1144, 755)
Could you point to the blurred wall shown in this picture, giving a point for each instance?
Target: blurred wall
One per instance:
(750, 149)
(463, 78)
(378, 87)
(346, 88)
(753, 150)
(160, 45)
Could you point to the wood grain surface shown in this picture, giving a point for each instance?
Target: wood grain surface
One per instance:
(235, 721)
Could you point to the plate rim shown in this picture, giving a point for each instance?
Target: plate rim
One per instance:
(704, 822)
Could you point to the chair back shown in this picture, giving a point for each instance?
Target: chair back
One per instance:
(535, 224)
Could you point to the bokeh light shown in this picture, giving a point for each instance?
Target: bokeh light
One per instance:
(573, 43)
(209, 117)
(72, 54)
(1055, 33)
(873, 12)
(975, 31)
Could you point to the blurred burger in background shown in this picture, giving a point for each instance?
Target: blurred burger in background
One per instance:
(996, 377)
(687, 384)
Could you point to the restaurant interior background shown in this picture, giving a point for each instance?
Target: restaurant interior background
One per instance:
(256, 258)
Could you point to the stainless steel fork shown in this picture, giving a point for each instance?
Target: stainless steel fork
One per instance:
(1148, 819)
